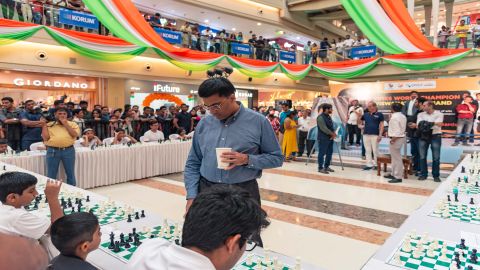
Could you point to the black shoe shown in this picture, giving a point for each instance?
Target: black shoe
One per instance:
(329, 170)
(437, 179)
(421, 178)
(455, 144)
(389, 176)
(395, 180)
(300, 155)
(323, 171)
(367, 168)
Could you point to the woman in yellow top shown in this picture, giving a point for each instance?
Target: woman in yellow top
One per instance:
(289, 143)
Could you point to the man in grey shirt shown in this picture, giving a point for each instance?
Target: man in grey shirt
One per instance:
(229, 125)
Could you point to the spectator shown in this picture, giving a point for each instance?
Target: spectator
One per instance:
(186, 35)
(314, 53)
(372, 133)
(209, 231)
(340, 46)
(78, 119)
(165, 122)
(145, 119)
(75, 236)
(347, 46)
(412, 135)
(120, 137)
(259, 47)
(88, 139)
(4, 148)
(355, 112)
(266, 50)
(156, 20)
(182, 134)
(307, 49)
(443, 35)
(86, 114)
(59, 137)
(289, 142)
(195, 118)
(326, 136)
(303, 128)
(476, 34)
(465, 118)
(274, 123)
(324, 47)
(461, 33)
(183, 119)
(206, 34)
(274, 51)
(429, 124)
(252, 43)
(154, 134)
(396, 132)
(10, 117)
(99, 125)
(32, 121)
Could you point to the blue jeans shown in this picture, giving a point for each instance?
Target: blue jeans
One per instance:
(67, 157)
(415, 155)
(464, 126)
(435, 143)
(325, 150)
(37, 17)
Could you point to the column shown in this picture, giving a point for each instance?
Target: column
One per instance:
(411, 7)
(428, 19)
(448, 13)
(435, 13)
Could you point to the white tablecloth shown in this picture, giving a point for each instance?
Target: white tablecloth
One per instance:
(437, 228)
(113, 165)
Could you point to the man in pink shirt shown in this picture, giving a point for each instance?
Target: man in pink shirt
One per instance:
(465, 115)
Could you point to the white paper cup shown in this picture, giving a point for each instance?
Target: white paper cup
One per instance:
(220, 151)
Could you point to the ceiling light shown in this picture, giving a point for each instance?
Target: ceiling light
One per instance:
(298, 37)
(206, 21)
(234, 29)
(259, 24)
(419, 14)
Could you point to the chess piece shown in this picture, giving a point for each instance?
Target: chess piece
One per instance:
(129, 218)
(258, 265)
(298, 264)
(143, 214)
(112, 242)
(448, 197)
(79, 207)
(136, 240)
(134, 231)
(474, 256)
(463, 169)
(117, 247)
(137, 216)
(122, 239)
(471, 201)
(249, 260)
(476, 184)
(88, 198)
(459, 180)
(127, 244)
(129, 239)
(462, 244)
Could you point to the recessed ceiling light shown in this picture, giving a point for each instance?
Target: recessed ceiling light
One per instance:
(298, 37)
(419, 14)
(234, 29)
(206, 21)
(259, 24)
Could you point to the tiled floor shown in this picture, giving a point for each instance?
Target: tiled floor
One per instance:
(335, 221)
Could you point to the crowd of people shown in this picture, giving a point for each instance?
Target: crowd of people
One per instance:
(460, 35)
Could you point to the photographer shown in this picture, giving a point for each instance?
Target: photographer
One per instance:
(355, 111)
(32, 120)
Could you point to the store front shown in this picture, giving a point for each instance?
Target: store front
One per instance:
(46, 88)
(299, 99)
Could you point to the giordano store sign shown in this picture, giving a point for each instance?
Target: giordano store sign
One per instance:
(30, 80)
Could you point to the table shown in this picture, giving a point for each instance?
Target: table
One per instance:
(114, 164)
(421, 221)
(106, 261)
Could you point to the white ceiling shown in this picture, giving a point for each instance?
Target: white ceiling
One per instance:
(177, 10)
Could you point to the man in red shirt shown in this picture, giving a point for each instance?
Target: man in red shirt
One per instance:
(465, 112)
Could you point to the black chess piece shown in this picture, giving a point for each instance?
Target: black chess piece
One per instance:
(76, 200)
(129, 218)
(136, 240)
(471, 201)
(143, 214)
(4, 167)
(117, 247)
(130, 239)
(476, 184)
(456, 197)
(73, 209)
(79, 208)
(469, 267)
(137, 216)
(134, 231)
(62, 202)
(463, 169)
(122, 239)
(69, 202)
(127, 245)
(177, 242)
(35, 205)
(112, 242)
(471, 155)
(46, 200)
(466, 180)
(448, 198)
(462, 244)
(459, 179)
(88, 198)
(152, 236)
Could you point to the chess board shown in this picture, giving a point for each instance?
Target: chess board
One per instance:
(253, 260)
(422, 261)
(458, 212)
(124, 254)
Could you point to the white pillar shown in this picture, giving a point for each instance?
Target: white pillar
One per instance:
(448, 13)
(428, 19)
(411, 7)
(435, 14)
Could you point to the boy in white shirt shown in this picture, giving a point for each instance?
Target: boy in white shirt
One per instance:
(17, 190)
(217, 231)
(88, 139)
(153, 135)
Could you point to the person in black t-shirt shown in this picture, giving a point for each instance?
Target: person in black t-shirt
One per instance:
(183, 119)
(260, 46)
(10, 117)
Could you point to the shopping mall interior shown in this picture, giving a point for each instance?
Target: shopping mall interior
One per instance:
(241, 134)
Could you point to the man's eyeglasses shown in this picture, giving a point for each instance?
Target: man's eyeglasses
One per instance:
(251, 245)
(214, 107)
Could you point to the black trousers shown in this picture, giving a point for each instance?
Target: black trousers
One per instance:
(353, 130)
(250, 186)
(303, 141)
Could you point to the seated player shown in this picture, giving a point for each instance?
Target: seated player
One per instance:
(183, 134)
(75, 236)
(14, 248)
(88, 139)
(217, 228)
(17, 190)
(4, 148)
(153, 134)
(121, 137)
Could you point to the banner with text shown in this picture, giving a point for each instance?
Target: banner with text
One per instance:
(77, 18)
(170, 36)
(288, 56)
(239, 48)
(363, 52)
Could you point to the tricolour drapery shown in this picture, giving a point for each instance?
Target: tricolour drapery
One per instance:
(386, 25)
(252, 68)
(346, 69)
(427, 60)
(295, 72)
(12, 31)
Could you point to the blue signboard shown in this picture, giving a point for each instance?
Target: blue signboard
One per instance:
(203, 27)
(241, 48)
(77, 18)
(170, 36)
(363, 52)
(288, 56)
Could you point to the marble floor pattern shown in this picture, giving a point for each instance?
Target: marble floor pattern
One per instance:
(334, 221)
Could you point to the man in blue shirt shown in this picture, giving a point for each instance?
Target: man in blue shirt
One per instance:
(372, 133)
(32, 121)
(249, 134)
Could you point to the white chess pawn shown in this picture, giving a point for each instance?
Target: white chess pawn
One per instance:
(259, 264)
(431, 253)
(266, 259)
(298, 264)
(249, 260)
